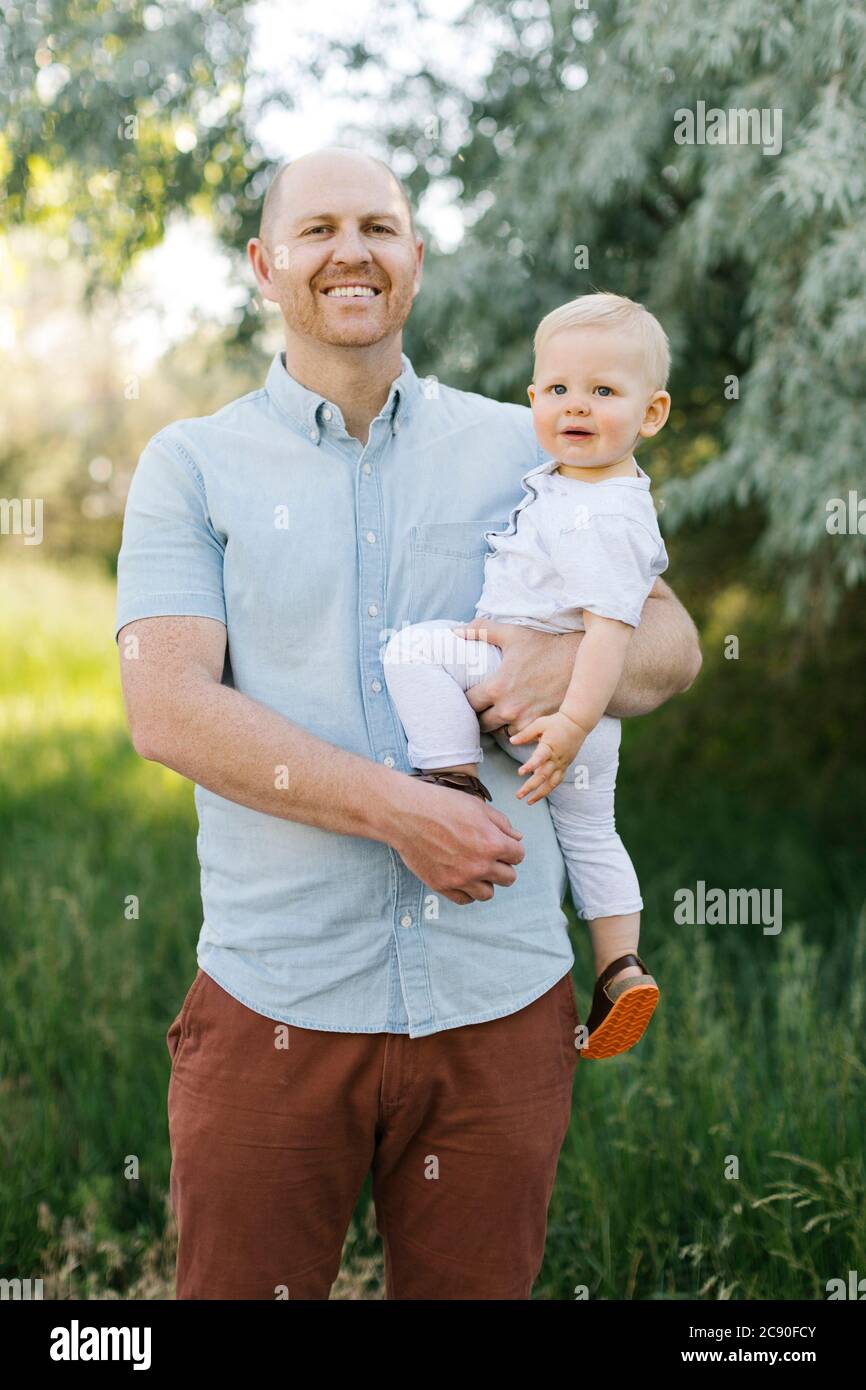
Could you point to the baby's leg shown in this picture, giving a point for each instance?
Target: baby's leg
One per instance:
(604, 885)
(428, 669)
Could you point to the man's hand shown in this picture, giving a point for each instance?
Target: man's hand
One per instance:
(663, 658)
(181, 715)
(532, 680)
(454, 843)
(559, 742)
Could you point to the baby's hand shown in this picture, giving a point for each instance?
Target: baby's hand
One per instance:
(559, 740)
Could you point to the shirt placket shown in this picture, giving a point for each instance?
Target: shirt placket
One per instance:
(409, 997)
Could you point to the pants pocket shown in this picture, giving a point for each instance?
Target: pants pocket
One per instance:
(177, 1031)
(172, 1038)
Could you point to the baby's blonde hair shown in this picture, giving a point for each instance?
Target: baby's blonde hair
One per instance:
(612, 311)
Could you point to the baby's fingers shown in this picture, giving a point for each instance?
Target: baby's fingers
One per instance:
(541, 778)
(524, 791)
(529, 734)
(534, 790)
(531, 764)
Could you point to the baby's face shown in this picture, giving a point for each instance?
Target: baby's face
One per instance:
(592, 399)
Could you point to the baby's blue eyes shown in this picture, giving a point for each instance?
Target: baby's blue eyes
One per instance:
(559, 388)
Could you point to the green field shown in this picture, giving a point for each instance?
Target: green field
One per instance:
(755, 1051)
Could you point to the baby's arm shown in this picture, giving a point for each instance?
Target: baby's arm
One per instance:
(597, 670)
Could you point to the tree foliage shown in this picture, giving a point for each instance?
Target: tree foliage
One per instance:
(115, 113)
(755, 262)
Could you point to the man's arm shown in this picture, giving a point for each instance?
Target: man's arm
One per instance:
(181, 715)
(663, 659)
(663, 656)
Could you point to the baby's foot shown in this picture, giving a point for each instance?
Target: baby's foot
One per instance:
(622, 1004)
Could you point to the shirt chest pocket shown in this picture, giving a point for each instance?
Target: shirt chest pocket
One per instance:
(447, 561)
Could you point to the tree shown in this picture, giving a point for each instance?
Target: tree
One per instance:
(115, 113)
(572, 175)
(754, 260)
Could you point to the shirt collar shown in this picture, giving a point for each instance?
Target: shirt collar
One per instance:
(549, 464)
(305, 407)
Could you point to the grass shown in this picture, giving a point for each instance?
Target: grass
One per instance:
(722, 1158)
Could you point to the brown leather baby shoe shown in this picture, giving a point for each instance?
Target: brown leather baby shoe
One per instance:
(460, 781)
(620, 1012)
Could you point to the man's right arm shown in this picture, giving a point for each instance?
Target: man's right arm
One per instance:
(181, 715)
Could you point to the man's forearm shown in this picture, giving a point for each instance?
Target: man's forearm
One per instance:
(247, 753)
(663, 656)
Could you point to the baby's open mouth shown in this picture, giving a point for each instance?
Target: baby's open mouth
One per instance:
(577, 433)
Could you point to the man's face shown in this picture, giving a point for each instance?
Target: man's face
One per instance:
(338, 225)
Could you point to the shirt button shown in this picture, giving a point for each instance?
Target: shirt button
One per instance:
(368, 469)
(406, 919)
(376, 686)
(327, 414)
(396, 426)
(314, 435)
(388, 761)
(372, 610)
(371, 539)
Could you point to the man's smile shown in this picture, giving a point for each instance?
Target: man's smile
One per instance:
(353, 291)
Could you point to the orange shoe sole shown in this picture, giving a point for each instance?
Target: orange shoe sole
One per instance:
(625, 1025)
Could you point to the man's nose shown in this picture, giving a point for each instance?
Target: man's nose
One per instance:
(350, 246)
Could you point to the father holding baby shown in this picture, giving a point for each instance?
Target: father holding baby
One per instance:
(360, 1003)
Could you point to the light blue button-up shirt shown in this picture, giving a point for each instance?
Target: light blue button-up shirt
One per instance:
(312, 549)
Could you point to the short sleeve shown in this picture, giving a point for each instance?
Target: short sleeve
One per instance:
(171, 559)
(608, 565)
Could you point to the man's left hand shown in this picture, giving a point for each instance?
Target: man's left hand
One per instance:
(532, 679)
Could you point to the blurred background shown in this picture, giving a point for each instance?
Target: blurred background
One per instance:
(537, 140)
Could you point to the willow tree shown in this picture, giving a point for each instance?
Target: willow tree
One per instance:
(709, 160)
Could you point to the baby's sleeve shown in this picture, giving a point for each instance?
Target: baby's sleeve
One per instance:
(608, 564)
(171, 558)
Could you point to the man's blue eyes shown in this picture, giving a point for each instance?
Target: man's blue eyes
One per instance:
(559, 387)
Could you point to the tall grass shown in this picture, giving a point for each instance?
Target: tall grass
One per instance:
(753, 1064)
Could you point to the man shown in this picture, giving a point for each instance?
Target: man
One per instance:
(360, 1001)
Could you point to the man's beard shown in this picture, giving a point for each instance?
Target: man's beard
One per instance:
(305, 315)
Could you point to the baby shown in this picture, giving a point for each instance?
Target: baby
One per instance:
(580, 553)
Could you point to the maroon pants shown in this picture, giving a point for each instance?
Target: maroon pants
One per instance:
(274, 1128)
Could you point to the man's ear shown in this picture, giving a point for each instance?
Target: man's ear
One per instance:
(257, 255)
(419, 265)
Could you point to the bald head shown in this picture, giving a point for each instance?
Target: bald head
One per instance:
(328, 163)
